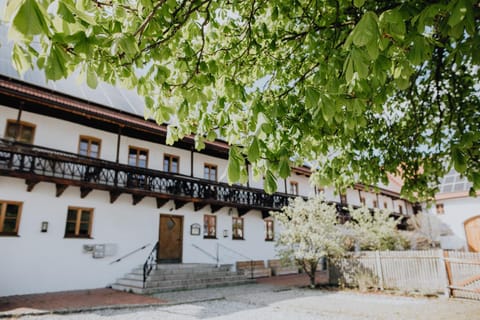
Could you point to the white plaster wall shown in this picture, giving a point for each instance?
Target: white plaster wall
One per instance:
(304, 187)
(253, 246)
(43, 262)
(330, 194)
(6, 113)
(156, 153)
(199, 161)
(63, 135)
(353, 197)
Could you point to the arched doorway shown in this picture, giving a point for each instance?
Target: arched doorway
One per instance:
(472, 233)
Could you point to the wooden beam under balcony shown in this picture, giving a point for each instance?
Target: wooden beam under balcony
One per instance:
(179, 204)
(161, 202)
(136, 198)
(60, 188)
(215, 207)
(265, 214)
(114, 195)
(31, 184)
(197, 206)
(243, 211)
(84, 191)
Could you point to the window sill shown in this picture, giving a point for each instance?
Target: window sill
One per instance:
(238, 238)
(269, 240)
(13, 235)
(77, 237)
(209, 237)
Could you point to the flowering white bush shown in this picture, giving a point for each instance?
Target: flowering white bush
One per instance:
(374, 230)
(309, 232)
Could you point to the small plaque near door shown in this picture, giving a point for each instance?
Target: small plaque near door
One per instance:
(195, 229)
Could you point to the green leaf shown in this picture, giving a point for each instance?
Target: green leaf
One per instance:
(284, 168)
(270, 183)
(30, 19)
(366, 30)
(348, 68)
(22, 61)
(358, 3)
(92, 80)
(234, 163)
(458, 13)
(360, 64)
(311, 98)
(55, 65)
(253, 150)
(182, 112)
(459, 160)
(65, 12)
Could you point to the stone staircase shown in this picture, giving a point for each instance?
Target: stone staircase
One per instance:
(173, 277)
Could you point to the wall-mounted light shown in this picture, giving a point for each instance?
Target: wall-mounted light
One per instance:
(44, 227)
(225, 233)
(230, 211)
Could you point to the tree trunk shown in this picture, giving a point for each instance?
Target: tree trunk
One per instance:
(310, 268)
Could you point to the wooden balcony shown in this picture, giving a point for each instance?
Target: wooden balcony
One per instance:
(39, 164)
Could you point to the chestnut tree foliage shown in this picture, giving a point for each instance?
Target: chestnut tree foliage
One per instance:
(357, 88)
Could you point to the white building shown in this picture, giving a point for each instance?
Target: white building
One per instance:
(88, 187)
(458, 213)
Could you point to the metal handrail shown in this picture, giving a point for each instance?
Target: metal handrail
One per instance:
(234, 251)
(216, 258)
(130, 253)
(150, 263)
(252, 266)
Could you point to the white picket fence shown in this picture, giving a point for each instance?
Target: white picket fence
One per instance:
(429, 272)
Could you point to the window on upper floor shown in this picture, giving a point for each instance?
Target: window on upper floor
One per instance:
(400, 209)
(10, 213)
(385, 206)
(269, 235)
(294, 187)
(171, 163)
(79, 223)
(209, 226)
(138, 157)
(375, 203)
(89, 146)
(20, 131)
(440, 208)
(210, 172)
(237, 228)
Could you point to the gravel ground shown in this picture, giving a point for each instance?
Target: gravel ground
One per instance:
(261, 302)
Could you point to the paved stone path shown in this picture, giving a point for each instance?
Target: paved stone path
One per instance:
(279, 299)
(262, 302)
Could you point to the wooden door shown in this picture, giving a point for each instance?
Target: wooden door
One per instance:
(170, 239)
(472, 232)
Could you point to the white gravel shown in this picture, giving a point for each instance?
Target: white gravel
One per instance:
(259, 302)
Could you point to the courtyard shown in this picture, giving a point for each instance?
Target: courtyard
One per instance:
(266, 301)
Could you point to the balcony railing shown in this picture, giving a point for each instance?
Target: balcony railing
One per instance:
(35, 164)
